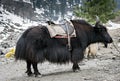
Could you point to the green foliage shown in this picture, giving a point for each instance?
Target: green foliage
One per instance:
(104, 9)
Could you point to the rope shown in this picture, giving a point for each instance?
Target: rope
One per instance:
(68, 34)
(116, 49)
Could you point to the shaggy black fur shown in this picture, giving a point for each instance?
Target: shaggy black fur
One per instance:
(36, 45)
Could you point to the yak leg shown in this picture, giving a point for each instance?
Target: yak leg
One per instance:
(88, 56)
(36, 72)
(77, 56)
(75, 67)
(29, 72)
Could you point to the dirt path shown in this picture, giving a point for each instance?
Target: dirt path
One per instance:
(105, 67)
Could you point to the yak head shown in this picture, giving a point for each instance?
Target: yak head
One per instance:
(102, 33)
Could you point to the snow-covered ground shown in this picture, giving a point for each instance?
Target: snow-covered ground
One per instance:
(111, 25)
(11, 27)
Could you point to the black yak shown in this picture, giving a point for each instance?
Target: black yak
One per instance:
(35, 45)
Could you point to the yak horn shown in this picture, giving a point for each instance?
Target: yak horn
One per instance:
(97, 19)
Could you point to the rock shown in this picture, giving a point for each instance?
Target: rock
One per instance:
(10, 30)
(118, 44)
(118, 40)
(17, 24)
(0, 12)
(5, 45)
(113, 58)
(1, 52)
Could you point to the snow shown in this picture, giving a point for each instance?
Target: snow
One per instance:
(39, 11)
(26, 1)
(11, 18)
(111, 25)
(1, 28)
(118, 44)
(10, 21)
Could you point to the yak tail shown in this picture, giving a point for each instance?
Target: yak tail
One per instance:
(20, 49)
(20, 52)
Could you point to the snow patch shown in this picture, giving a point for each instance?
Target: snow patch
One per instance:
(1, 28)
(111, 25)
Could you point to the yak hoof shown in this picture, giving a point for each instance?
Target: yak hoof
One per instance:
(76, 69)
(37, 74)
(29, 73)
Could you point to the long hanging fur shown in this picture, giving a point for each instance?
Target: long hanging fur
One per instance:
(36, 45)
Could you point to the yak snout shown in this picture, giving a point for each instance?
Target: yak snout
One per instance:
(110, 40)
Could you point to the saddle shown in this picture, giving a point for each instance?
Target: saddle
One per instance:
(61, 30)
(65, 30)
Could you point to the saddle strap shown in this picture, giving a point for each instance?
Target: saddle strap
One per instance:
(68, 34)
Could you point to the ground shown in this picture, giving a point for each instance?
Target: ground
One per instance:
(105, 67)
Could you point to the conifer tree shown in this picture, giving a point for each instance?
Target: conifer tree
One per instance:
(104, 9)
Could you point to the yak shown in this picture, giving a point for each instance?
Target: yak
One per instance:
(36, 46)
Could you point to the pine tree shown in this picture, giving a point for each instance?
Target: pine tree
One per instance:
(104, 9)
